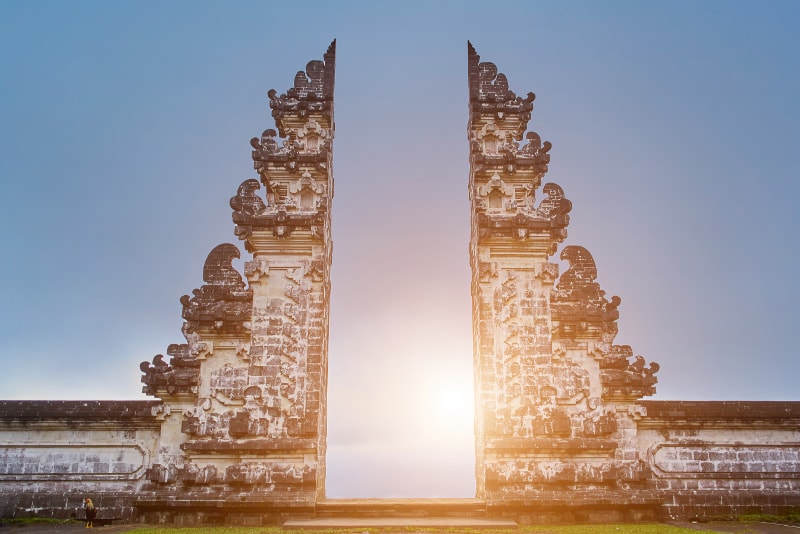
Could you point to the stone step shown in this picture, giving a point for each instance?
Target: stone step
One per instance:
(400, 514)
(352, 508)
(398, 522)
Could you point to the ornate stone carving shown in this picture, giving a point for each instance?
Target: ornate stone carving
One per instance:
(312, 138)
(556, 206)
(247, 202)
(246, 205)
(580, 310)
(222, 304)
(535, 148)
(489, 92)
(312, 90)
(306, 193)
(496, 143)
(300, 207)
(623, 379)
(308, 146)
(579, 305)
(228, 383)
(181, 376)
(508, 210)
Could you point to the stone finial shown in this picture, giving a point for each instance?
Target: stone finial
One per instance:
(222, 304)
(579, 305)
(312, 90)
(502, 117)
(304, 120)
(490, 87)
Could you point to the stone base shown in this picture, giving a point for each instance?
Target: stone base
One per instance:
(579, 507)
(231, 512)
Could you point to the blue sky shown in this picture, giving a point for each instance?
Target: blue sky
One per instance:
(124, 130)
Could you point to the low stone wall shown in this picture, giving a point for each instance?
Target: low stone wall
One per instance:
(720, 459)
(56, 453)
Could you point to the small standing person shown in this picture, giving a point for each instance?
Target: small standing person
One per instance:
(91, 512)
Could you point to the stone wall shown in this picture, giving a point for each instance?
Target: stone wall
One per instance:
(719, 459)
(56, 453)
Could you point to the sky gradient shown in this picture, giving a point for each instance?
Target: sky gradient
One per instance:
(125, 127)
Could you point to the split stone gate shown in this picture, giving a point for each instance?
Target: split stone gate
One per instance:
(237, 430)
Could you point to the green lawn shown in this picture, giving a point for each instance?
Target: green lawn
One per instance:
(572, 529)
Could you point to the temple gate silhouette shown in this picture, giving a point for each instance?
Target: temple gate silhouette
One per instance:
(236, 432)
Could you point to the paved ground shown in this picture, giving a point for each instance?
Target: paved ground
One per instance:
(78, 528)
(742, 527)
(73, 527)
(399, 523)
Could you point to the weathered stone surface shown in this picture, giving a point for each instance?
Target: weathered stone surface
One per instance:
(55, 453)
(712, 459)
(250, 426)
(222, 304)
(238, 433)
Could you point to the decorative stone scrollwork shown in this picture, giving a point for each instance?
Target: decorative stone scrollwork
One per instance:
(180, 377)
(246, 205)
(249, 420)
(222, 304)
(306, 193)
(192, 474)
(309, 144)
(228, 383)
(556, 206)
(312, 138)
(256, 269)
(309, 85)
(312, 90)
(579, 305)
(520, 225)
(488, 90)
(546, 272)
(495, 146)
(487, 270)
(496, 143)
(508, 210)
(300, 206)
(266, 145)
(495, 195)
(580, 309)
(624, 379)
(301, 148)
(505, 299)
(535, 148)
(579, 281)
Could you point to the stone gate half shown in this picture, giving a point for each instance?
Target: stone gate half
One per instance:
(236, 432)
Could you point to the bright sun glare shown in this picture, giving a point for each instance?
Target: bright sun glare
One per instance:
(453, 402)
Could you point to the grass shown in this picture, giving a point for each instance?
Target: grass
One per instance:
(22, 521)
(647, 528)
(571, 529)
(792, 517)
